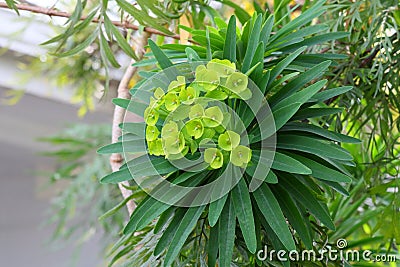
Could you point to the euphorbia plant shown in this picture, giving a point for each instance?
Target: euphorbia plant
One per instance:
(245, 105)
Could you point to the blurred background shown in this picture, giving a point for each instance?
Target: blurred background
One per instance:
(36, 104)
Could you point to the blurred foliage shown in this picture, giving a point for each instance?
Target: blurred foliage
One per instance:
(76, 209)
(370, 217)
(83, 73)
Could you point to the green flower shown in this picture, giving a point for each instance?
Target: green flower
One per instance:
(155, 147)
(214, 157)
(237, 82)
(151, 116)
(206, 125)
(245, 95)
(240, 156)
(197, 111)
(159, 93)
(174, 143)
(177, 85)
(228, 140)
(152, 133)
(169, 129)
(222, 67)
(189, 95)
(213, 117)
(208, 133)
(217, 94)
(171, 101)
(178, 155)
(195, 128)
(180, 113)
(207, 78)
(193, 145)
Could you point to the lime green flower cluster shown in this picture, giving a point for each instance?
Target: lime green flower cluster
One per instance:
(192, 123)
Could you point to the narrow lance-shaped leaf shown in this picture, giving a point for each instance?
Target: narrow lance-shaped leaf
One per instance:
(215, 210)
(226, 234)
(252, 44)
(116, 177)
(243, 209)
(308, 113)
(285, 163)
(321, 171)
(162, 59)
(81, 46)
(11, 4)
(266, 29)
(309, 128)
(122, 42)
(321, 148)
(169, 233)
(284, 63)
(230, 41)
(142, 16)
(304, 196)
(182, 233)
(294, 216)
(213, 246)
(272, 213)
(107, 52)
(300, 81)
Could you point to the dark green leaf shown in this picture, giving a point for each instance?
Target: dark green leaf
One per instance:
(182, 233)
(285, 163)
(230, 41)
(252, 44)
(295, 218)
(169, 233)
(308, 113)
(300, 81)
(322, 172)
(150, 208)
(302, 127)
(243, 209)
(284, 63)
(328, 94)
(272, 213)
(215, 210)
(226, 234)
(304, 196)
(162, 59)
(213, 246)
(164, 217)
(321, 148)
(116, 177)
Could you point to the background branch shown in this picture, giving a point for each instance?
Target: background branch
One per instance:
(117, 159)
(56, 13)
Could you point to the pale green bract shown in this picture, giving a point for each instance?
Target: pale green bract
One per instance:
(184, 117)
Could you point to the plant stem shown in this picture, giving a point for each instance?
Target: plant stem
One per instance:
(56, 13)
(117, 159)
